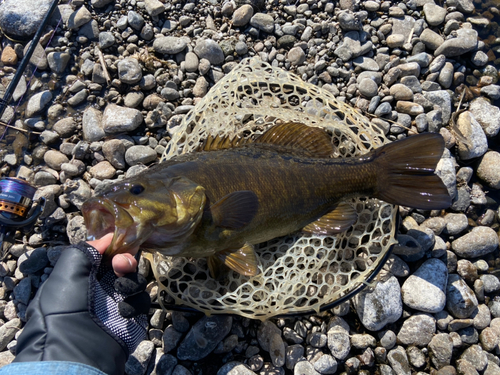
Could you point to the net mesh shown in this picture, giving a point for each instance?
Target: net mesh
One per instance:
(299, 272)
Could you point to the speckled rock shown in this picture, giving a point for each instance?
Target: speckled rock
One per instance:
(478, 242)
(380, 307)
(169, 45)
(210, 50)
(425, 289)
(92, 125)
(460, 299)
(118, 119)
(417, 330)
(488, 169)
(441, 350)
(140, 154)
(487, 115)
(129, 70)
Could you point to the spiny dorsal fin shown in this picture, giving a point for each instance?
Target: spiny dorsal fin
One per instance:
(244, 260)
(235, 210)
(336, 221)
(295, 135)
(214, 143)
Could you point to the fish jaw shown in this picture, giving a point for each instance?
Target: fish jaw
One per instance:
(103, 216)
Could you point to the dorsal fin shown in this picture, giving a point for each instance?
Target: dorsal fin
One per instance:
(294, 136)
(214, 143)
(297, 136)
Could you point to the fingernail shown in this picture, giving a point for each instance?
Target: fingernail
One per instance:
(128, 259)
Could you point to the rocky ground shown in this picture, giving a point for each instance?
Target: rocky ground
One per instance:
(116, 79)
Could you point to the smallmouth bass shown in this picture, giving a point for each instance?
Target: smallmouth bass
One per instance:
(234, 193)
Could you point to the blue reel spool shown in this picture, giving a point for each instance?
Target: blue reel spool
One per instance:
(16, 205)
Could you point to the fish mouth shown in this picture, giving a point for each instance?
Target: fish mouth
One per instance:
(103, 216)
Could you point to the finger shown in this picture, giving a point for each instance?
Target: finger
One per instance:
(123, 264)
(102, 244)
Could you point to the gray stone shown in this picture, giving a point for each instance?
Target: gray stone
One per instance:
(296, 56)
(417, 330)
(425, 289)
(242, 15)
(138, 361)
(381, 306)
(479, 58)
(487, 115)
(118, 119)
(338, 343)
(263, 21)
(66, 127)
(79, 18)
(38, 102)
(368, 88)
(401, 92)
(106, 39)
(20, 19)
(303, 368)
(460, 299)
(154, 7)
(445, 77)
(431, 39)
(92, 125)
(203, 337)
(135, 20)
(169, 45)
(399, 361)
(476, 144)
(58, 61)
(476, 357)
(434, 14)
(8, 331)
(54, 159)
(210, 50)
(326, 364)
(491, 283)
(34, 261)
(171, 338)
(480, 241)
(442, 99)
(395, 40)
(465, 6)
(350, 21)
(465, 41)
(140, 154)
(441, 350)
(129, 70)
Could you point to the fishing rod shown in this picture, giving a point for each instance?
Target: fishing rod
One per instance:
(4, 102)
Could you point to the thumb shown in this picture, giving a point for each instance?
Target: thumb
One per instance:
(102, 244)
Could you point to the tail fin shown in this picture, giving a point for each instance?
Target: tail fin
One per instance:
(407, 176)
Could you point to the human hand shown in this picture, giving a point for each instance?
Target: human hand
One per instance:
(122, 263)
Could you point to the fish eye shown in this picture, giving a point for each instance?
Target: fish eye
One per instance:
(136, 189)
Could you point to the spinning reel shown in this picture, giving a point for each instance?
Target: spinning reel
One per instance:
(17, 209)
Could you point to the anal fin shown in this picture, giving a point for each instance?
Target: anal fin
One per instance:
(336, 221)
(244, 261)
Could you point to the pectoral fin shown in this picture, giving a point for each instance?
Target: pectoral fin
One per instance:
(336, 221)
(235, 210)
(243, 261)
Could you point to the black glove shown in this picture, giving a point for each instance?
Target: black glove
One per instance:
(75, 316)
